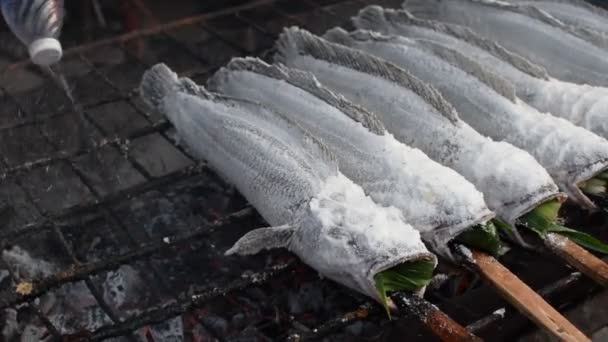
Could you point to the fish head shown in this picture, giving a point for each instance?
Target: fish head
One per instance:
(350, 239)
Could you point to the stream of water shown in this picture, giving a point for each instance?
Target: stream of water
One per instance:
(59, 78)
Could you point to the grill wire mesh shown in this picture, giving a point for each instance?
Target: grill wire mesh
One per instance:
(114, 232)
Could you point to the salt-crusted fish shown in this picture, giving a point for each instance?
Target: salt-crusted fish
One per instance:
(591, 21)
(526, 31)
(569, 153)
(292, 180)
(434, 199)
(511, 180)
(583, 105)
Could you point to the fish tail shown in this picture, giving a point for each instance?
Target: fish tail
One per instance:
(339, 35)
(287, 45)
(370, 18)
(220, 79)
(428, 9)
(159, 82)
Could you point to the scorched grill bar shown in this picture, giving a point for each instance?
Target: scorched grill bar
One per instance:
(165, 211)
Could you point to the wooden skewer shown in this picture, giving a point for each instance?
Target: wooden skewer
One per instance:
(440, 324)
(578, 257)
(525, 299)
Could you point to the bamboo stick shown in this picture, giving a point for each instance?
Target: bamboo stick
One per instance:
(522, 297)
(435, 320)
(578, 257)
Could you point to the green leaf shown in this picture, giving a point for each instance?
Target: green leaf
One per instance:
(542, 221)
(580, 238)
(502, 225)
(409, 276)
(482, 237)
(603, 175)
(596, 185)
(542, 217)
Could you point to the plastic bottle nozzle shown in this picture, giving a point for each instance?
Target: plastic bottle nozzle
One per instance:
(45, 51)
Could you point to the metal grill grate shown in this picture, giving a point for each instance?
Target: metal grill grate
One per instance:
(127, 196)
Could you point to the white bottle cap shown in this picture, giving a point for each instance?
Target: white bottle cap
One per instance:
(45, 51)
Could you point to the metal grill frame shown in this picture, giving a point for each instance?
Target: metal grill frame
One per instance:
(55, 222)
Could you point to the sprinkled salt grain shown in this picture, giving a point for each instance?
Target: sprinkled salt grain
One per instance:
(500, 312)
(438, 280)
(556, 240)
(166, 240)
(466, 252)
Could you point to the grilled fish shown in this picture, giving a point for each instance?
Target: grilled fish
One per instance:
(510, 179)
(434, 199)
(591, 21)
(583, 105)
(488, 103)
(526, 31)
(292, 180)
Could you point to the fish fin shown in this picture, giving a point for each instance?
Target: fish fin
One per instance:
(500, 85)
(594, 37)
(308, 82)
(527, 10)
(517, 61)
(310, 144)
(295, 42)
(287, 47)
(159, 82)
(338, 35)
(537, 13)
(262, 238)
(319, 150)
(422, 8)
(371, 17)
(346, 38)
(218, 80)
(577, 196)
